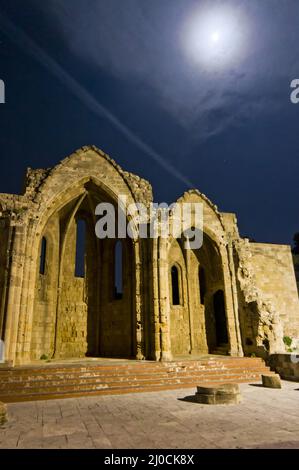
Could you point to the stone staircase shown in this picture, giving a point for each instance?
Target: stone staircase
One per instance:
(44, 382)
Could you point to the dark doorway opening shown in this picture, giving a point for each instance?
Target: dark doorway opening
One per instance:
(43, 256)
(118, 270)
(175, 286)
(220, 318)
(80, 248)
(202, 284)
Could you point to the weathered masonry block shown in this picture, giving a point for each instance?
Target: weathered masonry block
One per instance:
(271, 381)
(286, 365)
(3, 413)
(218, 394)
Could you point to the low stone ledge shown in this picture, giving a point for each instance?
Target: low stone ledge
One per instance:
(6, 365)
(271, 381)
(218, 394)
(3, 413)
(286, 365)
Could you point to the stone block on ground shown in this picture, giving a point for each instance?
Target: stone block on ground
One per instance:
(218, 394)
(3, 413)
(271, 381)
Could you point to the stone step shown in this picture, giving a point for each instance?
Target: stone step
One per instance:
(88, 375)
(109, 382)
(221, 351)
(55, 379)
(119, 369)
(133, 382)
(11, 398)
(44, 382)
(132, 363)
(116, 372)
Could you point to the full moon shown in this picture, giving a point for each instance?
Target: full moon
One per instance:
(214, 37)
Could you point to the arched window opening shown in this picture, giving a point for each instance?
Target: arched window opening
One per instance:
(118, 270)
(43, 256)
(175, 286)
(202, 284)
(80, 248)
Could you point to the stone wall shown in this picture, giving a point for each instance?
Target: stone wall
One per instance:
(74, 316)
(274, 276)
(286, 365)
(57, 314)
(45, 306)
(117, 315)
(179, 314)
(5, 234)
(268, 301)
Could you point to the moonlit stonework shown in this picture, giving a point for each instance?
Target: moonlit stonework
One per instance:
(214, 38)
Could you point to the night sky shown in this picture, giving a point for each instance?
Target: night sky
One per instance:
(121, 74)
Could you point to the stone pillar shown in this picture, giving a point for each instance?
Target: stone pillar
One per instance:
(156, 309)
(190, 295)
(14, 291)
(139, 323)
(26, 307)
(235, 298)
(6, 280)
(3, 413)
(232, 328)
(164, 300)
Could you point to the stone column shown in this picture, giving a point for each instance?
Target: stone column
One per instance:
(14, 291)
(230, 311)
(189, 296)
(27, 295)
(156, 309)
(164, 300)
(139, 325)
(235, 297)
(7, 226)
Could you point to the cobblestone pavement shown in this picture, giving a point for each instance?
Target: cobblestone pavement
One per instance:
(266, 418)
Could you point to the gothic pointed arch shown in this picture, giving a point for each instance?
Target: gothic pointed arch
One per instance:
(78, 314)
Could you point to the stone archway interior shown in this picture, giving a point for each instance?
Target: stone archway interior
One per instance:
(211, 287)
(79, 310)
(197, 305)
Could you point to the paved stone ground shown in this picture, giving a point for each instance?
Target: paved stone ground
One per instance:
(266, 418)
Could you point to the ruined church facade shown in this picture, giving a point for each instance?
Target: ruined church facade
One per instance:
(230, 296)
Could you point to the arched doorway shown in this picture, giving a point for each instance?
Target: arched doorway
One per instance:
(196, 298)
(205, 277)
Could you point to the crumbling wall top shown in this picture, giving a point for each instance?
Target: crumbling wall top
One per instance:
(36, 179)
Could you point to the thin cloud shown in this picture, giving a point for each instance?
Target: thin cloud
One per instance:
(29, 46)
(144, 41)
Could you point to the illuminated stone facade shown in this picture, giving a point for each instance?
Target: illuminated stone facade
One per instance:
(230, 296)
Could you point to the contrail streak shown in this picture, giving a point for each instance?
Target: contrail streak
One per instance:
(19, 37)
